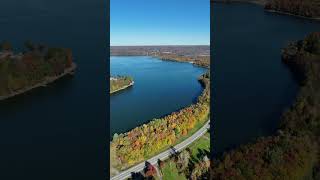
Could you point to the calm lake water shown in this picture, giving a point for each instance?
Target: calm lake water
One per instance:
(57, 132)
(251, 85)
(160, 88)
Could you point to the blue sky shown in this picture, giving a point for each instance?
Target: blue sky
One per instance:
(159, 22)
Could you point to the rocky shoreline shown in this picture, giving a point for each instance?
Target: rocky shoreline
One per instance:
(48, 80)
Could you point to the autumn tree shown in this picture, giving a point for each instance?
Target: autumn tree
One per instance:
(183, 160)
(150, 170)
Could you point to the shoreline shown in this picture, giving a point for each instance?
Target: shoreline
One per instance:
(263, 3)
(205, 86)
(172, 59)
(47, 81)
(202, 83)
(290, 14)
(125, 87)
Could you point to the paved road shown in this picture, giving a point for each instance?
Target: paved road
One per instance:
(164, 155)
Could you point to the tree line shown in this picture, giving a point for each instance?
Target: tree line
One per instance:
(306, 8)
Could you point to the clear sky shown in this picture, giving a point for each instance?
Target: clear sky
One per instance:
(159, 22)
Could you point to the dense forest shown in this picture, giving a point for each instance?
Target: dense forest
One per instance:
(293, 152)
(120, 82)
(159, 134)
(306, 8)
(35, 65)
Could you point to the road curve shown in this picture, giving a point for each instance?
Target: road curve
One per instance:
(164, 155)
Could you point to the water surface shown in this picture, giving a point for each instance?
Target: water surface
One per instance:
(57, 132)
(160, 88)
(251, 85)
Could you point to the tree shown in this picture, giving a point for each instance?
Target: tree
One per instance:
(150, 170)
(183, 160)
(115, 136)
(160, 164)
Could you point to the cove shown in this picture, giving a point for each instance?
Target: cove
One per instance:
(160, 88)
(252, 87)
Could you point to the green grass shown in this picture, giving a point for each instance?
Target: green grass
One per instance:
(203, 143)
(170, 171)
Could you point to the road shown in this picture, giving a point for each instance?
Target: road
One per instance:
(164, 155)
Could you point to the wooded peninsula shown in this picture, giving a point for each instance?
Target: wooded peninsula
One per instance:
(35, 67)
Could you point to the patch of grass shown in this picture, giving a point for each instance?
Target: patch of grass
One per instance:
(198, 148)
(170, 171)
(202, 145)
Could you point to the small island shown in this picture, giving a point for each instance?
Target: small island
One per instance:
(119, 83)
(37, 66)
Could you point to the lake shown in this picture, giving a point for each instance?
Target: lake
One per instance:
(161, 87)
(252, 87)
(57, 132)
